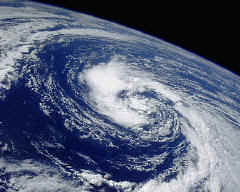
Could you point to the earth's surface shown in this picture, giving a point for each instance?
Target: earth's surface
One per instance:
(88, 105)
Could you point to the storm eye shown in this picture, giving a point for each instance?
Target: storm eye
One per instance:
(123, 94)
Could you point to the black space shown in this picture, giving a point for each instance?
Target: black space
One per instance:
(210, 31)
